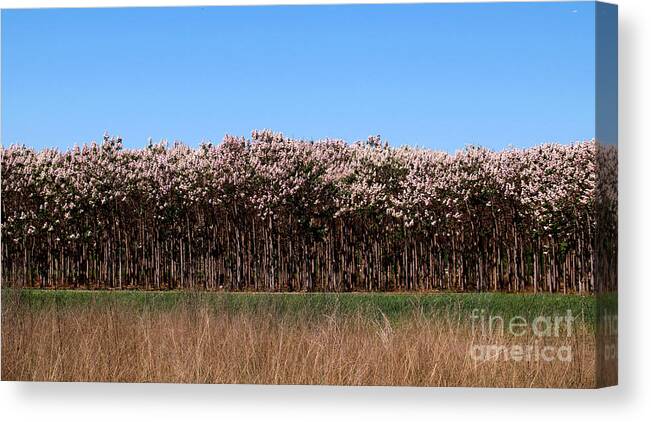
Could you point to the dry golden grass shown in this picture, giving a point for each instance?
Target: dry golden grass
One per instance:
(196, 343)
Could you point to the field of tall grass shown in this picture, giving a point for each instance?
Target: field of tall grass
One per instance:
(336, 339)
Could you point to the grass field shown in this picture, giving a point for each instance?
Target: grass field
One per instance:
(392, 305)
(316, 338)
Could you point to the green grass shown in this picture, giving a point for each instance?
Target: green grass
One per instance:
(394, 306)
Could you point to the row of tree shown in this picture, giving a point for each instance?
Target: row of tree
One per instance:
(271, 213)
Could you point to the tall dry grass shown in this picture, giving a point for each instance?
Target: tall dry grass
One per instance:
(196, 343)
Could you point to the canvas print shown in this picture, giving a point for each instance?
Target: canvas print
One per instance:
(395, 195)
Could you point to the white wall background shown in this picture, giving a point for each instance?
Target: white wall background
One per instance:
(630, 400)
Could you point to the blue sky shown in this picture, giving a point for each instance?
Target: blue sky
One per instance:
(437, 75)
